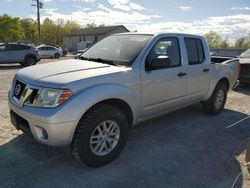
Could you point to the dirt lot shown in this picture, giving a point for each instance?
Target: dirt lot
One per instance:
(186, 148)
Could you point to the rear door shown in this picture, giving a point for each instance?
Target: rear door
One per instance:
(163, 88)
(18, 52)
(51, 51)
(199, 69)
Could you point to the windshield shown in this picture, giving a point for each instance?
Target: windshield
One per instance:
(118, 49)
(245, 54)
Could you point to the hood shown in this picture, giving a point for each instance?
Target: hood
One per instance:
(57, 74)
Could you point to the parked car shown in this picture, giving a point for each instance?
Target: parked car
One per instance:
(64, 51)
(25, 54)
(244, 59)
(48, 51)
(124, 79)
(79, 53)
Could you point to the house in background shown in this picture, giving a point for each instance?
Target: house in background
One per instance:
(83, 37)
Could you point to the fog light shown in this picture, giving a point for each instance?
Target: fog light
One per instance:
(41, 133)
(45, 134)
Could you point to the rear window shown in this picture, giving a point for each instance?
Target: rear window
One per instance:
(195, 51)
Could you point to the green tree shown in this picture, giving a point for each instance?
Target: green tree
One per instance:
(48, 29)
(11, 29)
(91, 25)
(243, 42)
(30, 30)
(53, 32)
(214, 40)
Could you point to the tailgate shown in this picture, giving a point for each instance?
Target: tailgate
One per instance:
(234, 65)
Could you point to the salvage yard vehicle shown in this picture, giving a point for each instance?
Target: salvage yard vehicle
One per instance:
(90, 103)
(49, 51)
(24, 54)
(244, 59)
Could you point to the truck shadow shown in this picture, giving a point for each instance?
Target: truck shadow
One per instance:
(195, 150)
(244, 89)
(10, 66)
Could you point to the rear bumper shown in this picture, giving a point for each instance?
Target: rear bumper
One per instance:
(244, 79)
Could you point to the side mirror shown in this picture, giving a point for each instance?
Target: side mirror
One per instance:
(158, 63)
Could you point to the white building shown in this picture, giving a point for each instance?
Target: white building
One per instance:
(90, 35)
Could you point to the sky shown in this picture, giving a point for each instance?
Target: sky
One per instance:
(229, 18)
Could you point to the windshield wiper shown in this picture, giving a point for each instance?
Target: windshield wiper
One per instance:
(99, 60)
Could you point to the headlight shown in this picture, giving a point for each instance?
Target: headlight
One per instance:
(52, 97)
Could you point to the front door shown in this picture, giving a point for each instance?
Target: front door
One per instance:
(163, 87)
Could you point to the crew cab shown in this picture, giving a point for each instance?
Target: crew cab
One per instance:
(90, 103)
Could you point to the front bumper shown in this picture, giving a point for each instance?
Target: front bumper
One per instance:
(56, 122)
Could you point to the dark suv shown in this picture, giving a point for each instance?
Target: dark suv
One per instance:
(24, 54)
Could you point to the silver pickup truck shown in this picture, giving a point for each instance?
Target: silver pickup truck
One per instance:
(90, 104)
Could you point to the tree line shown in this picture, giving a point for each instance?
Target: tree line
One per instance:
(14, 29)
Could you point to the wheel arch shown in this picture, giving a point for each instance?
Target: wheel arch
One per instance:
(213, 85)
(30, 55)
(225, 81)
(120, 104)
(112, 94)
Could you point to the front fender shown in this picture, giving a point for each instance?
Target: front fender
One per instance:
(91, 96)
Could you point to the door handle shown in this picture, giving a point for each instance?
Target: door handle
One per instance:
(180, 74)
(205, 70)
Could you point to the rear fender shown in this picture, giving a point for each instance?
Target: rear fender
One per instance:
(216, 77)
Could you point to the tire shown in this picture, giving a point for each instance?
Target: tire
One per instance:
(215, 104)
(82, 148)
(57, 55)
(29, 61)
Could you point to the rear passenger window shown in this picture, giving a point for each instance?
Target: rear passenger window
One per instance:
(195, 51)
(51, 48)
(18, 47)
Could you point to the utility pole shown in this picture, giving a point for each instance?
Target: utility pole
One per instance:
(39, 6)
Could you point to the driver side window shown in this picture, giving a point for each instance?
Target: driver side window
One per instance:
(167, 49)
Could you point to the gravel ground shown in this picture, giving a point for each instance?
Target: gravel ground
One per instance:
(186, 148)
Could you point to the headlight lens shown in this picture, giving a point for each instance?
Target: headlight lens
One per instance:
(52, 97)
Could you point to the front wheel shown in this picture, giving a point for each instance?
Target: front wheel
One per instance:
(29, 61)
(100, 135)
(215, 104)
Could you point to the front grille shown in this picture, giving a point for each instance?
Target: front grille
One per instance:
(23, 93)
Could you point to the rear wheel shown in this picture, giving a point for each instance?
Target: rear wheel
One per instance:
(56, 55)
(215, 104)
(29, 61)
(100, 135)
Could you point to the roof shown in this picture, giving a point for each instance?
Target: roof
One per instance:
(97, 31)
(19, 43)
